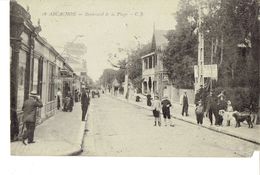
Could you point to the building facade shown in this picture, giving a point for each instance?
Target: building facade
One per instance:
(35, 66)
(154, 75)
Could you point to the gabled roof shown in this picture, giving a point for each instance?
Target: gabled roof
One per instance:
(159, 42)
(160, 39)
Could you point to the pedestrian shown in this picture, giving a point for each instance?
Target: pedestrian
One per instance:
(185, 104)
(149, 99)
(59, 95)
(84, 103)
(166, 104)
(211, 108)
(199, 112)
(71, 102)
(66, 102)
(29, 116)
(221, 106)
(76, 96)
(156, 106)
(201, 95)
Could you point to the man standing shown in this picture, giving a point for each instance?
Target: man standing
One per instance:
(149, 99)
(166, 104)
(29, 119)
(84, 103)
(185, 104)
(211, 108)
(59, 95)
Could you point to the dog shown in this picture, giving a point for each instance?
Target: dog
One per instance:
(244, 116)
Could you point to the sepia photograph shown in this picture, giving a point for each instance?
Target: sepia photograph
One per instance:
(134, 78)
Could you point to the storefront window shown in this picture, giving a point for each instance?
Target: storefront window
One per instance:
(51, 95)
(35, 74)
(21, 79)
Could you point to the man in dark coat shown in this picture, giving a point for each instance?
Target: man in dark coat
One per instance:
(84, 103)
(166, 104)
(29, 119)
(212, 108)
(185, 104)
(149, 99)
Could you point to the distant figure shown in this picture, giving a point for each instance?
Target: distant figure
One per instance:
(221, 106)
(166, 104)
(76, 95)
(212, 108)
(221, 96)
(59, 95)
(71, 102)
(201, 95)
(29, 117)
(149, 99)
(66, 102)
(84, 103)
(199, 113)
(156, 110)
(185, 104)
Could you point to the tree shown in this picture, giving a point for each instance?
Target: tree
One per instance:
(107, 78)
(181, 53)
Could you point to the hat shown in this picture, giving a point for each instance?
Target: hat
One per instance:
(33, 93)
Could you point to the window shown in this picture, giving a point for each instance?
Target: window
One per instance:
(21, 78)
(150, 62)
(155, 60)
(51, 72)
(35, 75)
(145, 63)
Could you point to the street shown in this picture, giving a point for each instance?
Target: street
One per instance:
(116, 128)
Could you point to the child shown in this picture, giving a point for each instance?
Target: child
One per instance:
(166, 104)
(229, 112)
(199, 113)
(156, 111)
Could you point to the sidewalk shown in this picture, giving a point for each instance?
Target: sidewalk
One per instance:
(60, 135)
(243, 132)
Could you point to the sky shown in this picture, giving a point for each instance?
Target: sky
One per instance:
(105, 25)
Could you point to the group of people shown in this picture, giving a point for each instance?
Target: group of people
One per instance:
(208, 106)
(34, 102)
(164, 107)
(211, 105)
(68, 100)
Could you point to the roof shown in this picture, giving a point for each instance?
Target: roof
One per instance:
(160, 39)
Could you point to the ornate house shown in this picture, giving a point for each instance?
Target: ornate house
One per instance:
(154, 75)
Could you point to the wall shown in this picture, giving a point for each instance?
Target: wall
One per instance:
(174, 94)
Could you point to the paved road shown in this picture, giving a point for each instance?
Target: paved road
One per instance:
(117, 128)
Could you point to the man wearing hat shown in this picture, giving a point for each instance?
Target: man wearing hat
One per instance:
(166, 104)
(84, 103)
(29, 116)
(185, 104)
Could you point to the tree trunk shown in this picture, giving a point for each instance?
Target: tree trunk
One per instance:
(222, 48)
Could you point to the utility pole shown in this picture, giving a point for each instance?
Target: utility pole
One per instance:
(200, 50)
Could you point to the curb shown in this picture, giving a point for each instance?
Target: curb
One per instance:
(79, 151)
(194, 123)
